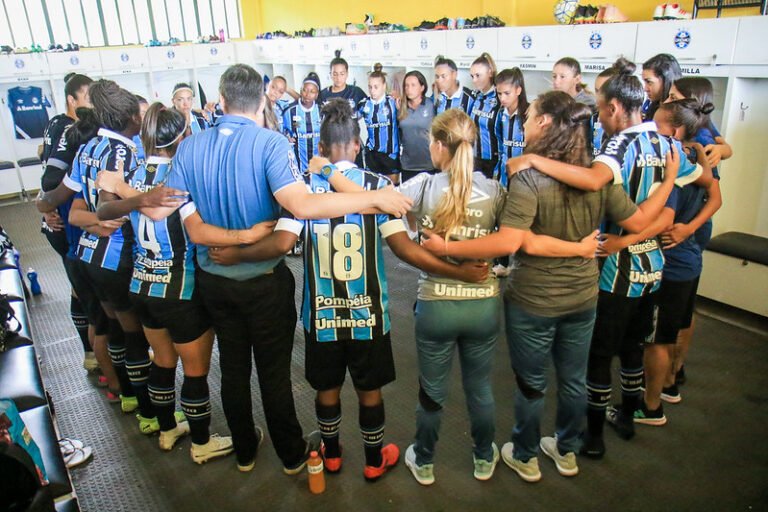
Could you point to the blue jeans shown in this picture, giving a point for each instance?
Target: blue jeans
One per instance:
(531, 340)
(441, 326)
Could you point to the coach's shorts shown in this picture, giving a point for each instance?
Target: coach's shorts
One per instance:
(85, 290)
(370, 362)
(381, 163)
(112, 286)
(622, 323)
(674, 309)
(186, 320)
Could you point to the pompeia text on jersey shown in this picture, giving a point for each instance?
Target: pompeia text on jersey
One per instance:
(303, 126)
(163, 261)
(637, 158)
(485, 108)
(511, 141)
(462, 98)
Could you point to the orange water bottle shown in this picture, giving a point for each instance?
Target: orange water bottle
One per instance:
(316, 475)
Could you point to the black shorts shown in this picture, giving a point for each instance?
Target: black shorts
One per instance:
(112, 286)
(370, 362)
(85, 290)
(487, 167)
(622, 323)
(381, 163)
(186, 320)
(674, 309)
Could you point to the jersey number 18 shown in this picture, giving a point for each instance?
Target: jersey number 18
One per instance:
(342, 247)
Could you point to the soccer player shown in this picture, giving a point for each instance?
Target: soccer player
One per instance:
(301, 122)
(510, 136)
(163, 286)
(339, 87)
(566, 77)
(183, 98)
(143, 106)
(598, 134)
(345, 310)
(379, 111)
(550, 301)
(634, 157)
(238, 175)
(275, 91)
(56, 158)
(485, 108)
(659, 74)
(451, 92)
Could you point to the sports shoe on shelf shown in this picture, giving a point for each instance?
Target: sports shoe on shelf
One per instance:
(128, 404)
(622, 424)
(149, 426)
(528, 471)
(592, 447)
(89, 361)
(566, 464)
(423, 474)
(675, 12)
(600, 17)
(647, 417)
(484, 469)
(314, 444)
(331, 464)
(248, 466)
(658, 12)
(671, 394)
(217, 446)
(425, 25)
(390, 454)
(612, 14)
(168, 439)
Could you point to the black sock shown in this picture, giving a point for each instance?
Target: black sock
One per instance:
(137, 365)
(329, 421)
(631, 380)
(116, 347)
(598, 398)
(196, 404)
(162, 393)
(372, 430)
(80, 321)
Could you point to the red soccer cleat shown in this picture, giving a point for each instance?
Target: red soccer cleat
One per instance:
(390, 454)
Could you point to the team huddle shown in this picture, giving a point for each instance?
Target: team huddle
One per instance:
(173, 225)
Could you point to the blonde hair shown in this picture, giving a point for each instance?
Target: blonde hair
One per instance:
(456, 131)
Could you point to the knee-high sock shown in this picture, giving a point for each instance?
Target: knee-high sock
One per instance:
(372, 430)
(116, 347)
(162, 393)
(137, 364)
(195, 402)
(80, 321)
(329, 421)
(598, 393)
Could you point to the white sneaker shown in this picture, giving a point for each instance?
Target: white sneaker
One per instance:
(168, 438)
(658, 12)
(217, 446)
(423, 474)
(528, 471)
(566, 464)
(483, 468)
(89, 362)
(675, 12)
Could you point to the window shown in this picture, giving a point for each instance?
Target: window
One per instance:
(114, 22)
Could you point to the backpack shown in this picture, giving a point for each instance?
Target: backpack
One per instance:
(8, 331)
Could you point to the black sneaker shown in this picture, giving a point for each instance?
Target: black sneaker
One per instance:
(592, 447)
(622, 424)
(645, 416)
(680, 376)
(671, 394)
(314, 444)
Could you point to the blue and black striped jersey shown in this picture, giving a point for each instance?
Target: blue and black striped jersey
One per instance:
(345, 284)
(105, 152)
(381, 120)
(511, 140)
(462, 98)
(598, 135)
(279, 109)
(303, 125)
(352, 93)
(485, 108)
(163, 259)
(637, 157)
(197, 123)
(139, 147)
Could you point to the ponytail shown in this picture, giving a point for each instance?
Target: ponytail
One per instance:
(378, 72)
(515, 78)
(624, 87)
(338, 60)
(486, 60)
(162, 128)
(84, 129)
(455, 129)
(566, 137)
(688, 113)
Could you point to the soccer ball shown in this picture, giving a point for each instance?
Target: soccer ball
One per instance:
(564, 11)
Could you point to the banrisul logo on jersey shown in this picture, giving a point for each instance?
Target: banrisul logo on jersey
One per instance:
(125, 57)
(470, 42)
(526, 42)
(682, 39)
(424, 44)
(595, 40)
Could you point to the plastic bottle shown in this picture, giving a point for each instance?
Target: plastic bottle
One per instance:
(221, 35)
(34, 284)
(316, 476)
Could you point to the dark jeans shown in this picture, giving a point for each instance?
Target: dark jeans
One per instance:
(258, 317)
(533, 340)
